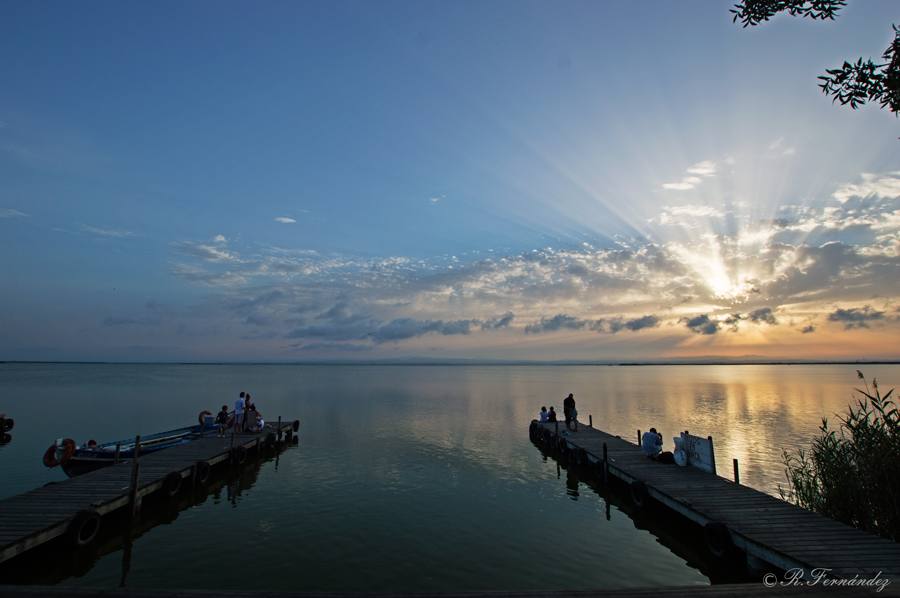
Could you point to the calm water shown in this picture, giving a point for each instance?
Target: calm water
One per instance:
(412, 477)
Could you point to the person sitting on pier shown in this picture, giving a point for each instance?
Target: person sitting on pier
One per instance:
(569, 411)
(551, 416)
(222, 420)
(543, 415)
(248, 405)
(651, 443)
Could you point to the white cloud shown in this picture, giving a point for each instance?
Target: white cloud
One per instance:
(285, 220)
(779, 148)
(220, 239)
(111, 233)
(11, 213)
(886, 185)
(695, 176)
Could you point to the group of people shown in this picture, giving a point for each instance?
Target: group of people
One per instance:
(651, 445)
(569, 412)
(245, 417)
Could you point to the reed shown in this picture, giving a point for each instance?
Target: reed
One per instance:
(852, 473)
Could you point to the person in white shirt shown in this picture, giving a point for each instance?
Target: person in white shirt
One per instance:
(651, 443)
(239, 413)
(543, 416)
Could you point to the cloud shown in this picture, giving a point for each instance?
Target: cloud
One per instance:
(209, 253)
(808, 329)
(499, 322)
(111, 233)
(435, 199)
(11, 213)
(885, 185)
(764, 315)
(220, 239)
(779, 148)
(285, 219)
(701, 324)
(856, 317)
(557, 322)
(695, 176)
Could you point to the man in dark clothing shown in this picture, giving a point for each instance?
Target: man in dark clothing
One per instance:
(569, 411)
(551, 416)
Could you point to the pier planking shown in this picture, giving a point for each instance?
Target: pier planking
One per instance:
(764, 527)
(31, 519)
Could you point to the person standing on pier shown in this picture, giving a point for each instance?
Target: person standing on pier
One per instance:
(239, 413)
(570, 412)
(543, 415)
(551, 416)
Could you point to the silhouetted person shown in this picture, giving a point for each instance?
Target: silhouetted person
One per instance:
(569, 411)
(543, 415)
(551, 415)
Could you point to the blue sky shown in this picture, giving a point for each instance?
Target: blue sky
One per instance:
(361, 180)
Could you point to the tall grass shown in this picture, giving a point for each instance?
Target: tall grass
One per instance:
(852, 473)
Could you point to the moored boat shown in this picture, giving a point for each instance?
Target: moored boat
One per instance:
(76, 460)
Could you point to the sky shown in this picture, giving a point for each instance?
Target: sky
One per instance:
(302, 181)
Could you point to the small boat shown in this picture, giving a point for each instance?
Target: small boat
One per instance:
(76, 460)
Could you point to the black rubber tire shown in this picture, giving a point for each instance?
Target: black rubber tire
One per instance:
(84, 527)
(639, 496)
(172, 484)
(202, 469)
(718, 540)
(8, 424)
(296, 425)
(238, 455)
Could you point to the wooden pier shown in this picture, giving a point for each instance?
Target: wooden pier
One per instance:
(738, 521)
(75, 507)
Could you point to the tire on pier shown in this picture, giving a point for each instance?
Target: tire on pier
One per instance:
(238, 455)
(639, 495)
(172, 484)
(718, 540)
(8, 424)
(202, 470)
(295, 426)
(83, 528)
(532, 430)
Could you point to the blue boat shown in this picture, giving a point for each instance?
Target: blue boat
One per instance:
(76, 460)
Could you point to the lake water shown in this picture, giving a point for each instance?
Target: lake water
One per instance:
(412, 477)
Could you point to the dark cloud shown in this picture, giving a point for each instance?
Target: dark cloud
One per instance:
(732, 322)
(499, 322)
(405, 328)
(763, 314)
(615, 325)
(701, 324)
(856, 317)
(808, 329)
(557, 322)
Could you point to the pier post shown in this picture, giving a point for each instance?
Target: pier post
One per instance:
(279, 428)
(737, 472)
(590, 420)
(712, 454)
(118, 451)
(134, 505)
(639, 437)
(605, 466)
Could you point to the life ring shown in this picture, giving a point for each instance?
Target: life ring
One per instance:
(639, 495)
(202, 470)
(201, 417)
(84, 528)
(238, 455)
(172, 484)
(296, 425)
(50, 459)
(718, 539)
(8, 424)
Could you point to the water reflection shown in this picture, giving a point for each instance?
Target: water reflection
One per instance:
(56, 561)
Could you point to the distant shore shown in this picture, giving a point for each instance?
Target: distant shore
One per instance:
(462, 362)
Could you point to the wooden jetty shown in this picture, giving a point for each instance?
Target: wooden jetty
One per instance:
(738, 521)
(75, 507)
